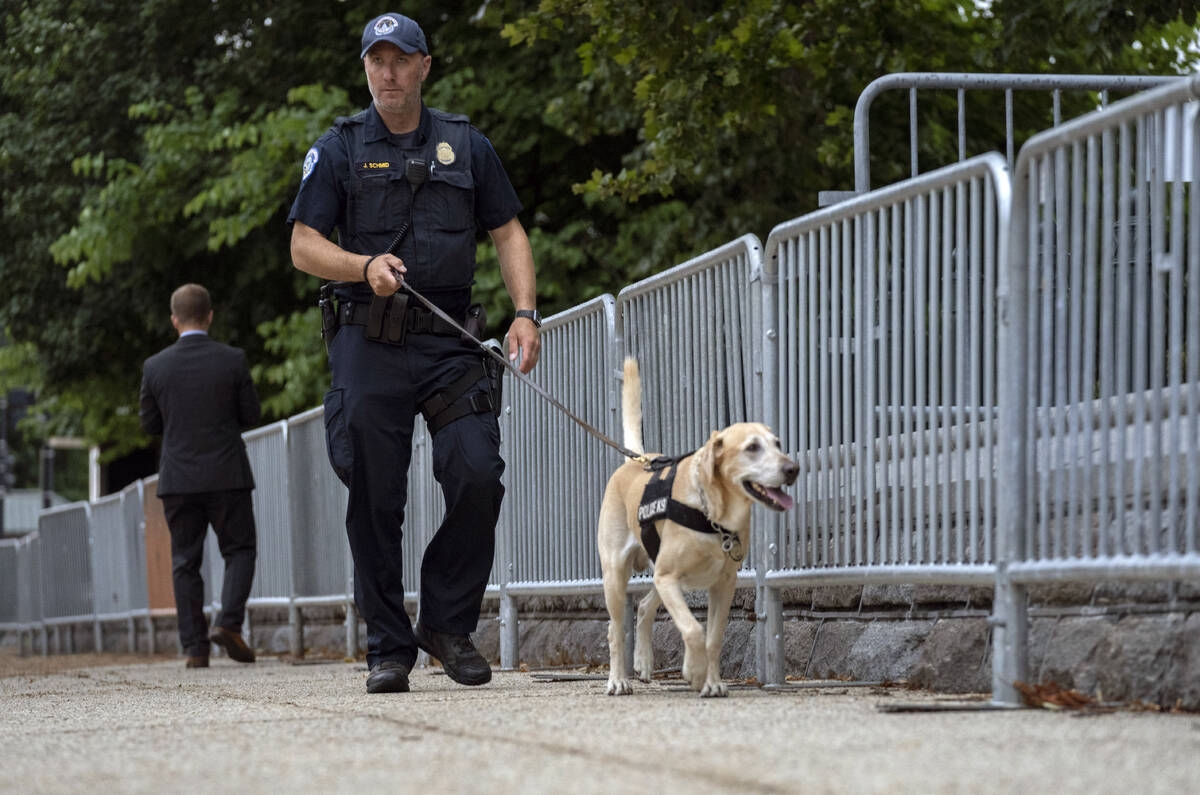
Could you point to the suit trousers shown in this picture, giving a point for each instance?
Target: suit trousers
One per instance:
(369, 419)
(231, 514)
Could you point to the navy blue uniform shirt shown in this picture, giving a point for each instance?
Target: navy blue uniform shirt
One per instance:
(321, 200)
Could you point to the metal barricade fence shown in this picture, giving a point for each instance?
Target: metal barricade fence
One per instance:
(424, 510)
(119, 561)
(266, 447)
(9, 611)
(886, 369)
(963, 82)
(323, 569)
(110, 557)
(556, 472)
(1101, 378)
(134, 510)
(29, 590)
(696, 331)
(65, 551)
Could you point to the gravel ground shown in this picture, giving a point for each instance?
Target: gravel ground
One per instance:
(149, 725)
(11, 664)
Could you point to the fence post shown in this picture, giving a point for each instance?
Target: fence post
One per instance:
(510, 638)
(509, 635)
(351, 630)
(768, 601)
(1009, 617)
(296, 627)
(93, 565)
(351, 608)
(295, 612)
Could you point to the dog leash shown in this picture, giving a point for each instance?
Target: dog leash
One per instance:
(529, 382)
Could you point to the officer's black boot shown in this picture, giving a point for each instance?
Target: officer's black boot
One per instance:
(388, 676)
(463, 663)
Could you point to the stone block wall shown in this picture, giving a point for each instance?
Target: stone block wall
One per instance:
(1114, 641)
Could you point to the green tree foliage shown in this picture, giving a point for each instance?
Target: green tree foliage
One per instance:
(111, 137)
(146, 143)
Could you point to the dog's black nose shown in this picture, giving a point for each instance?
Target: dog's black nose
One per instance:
(791, 469)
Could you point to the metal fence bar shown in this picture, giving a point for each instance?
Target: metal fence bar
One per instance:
(962, 82)
(915, 455)
(10, 617)
(317, 506)
(110, 557)
(1140, 393)
(885, 340)
(553, 497)
(1090, 433)
(266, 447)
(65, 551)
(29, 587)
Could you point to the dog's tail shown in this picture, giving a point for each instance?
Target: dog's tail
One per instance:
(631, 406)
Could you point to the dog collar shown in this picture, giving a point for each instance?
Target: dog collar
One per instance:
(657, 504)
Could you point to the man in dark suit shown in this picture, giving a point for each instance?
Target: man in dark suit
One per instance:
(199, 395)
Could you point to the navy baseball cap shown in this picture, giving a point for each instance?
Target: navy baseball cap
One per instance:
(397, 29)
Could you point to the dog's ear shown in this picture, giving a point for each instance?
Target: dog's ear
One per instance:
(708, 463)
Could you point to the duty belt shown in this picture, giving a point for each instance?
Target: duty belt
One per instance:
(396, 321)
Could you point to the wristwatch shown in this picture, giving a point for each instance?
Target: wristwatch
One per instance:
(531, 314)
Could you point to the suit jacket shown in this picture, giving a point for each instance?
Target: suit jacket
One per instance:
(199, 395)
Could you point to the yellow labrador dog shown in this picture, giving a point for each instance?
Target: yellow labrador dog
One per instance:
(691, 517)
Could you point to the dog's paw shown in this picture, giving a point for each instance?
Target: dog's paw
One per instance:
(714, 690)
(694, 673)
(619, 687)
(643, 666)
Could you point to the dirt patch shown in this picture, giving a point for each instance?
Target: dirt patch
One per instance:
(12, 664)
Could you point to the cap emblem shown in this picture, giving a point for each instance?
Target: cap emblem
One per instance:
(385, 26)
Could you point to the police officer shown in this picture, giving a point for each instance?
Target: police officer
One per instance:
(405, 186)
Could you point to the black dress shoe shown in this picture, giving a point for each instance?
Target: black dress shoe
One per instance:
(388, 676)
(457, 654)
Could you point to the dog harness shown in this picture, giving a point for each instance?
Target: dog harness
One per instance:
(657, 505)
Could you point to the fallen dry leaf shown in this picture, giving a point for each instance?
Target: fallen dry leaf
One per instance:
(1051, 696)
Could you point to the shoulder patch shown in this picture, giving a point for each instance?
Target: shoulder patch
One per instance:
(310, 162)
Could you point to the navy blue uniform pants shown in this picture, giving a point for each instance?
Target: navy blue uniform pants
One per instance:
(369, 414)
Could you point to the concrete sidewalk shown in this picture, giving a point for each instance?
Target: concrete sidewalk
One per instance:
(274, 727)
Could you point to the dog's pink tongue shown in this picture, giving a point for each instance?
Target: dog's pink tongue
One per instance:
(782, 498)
